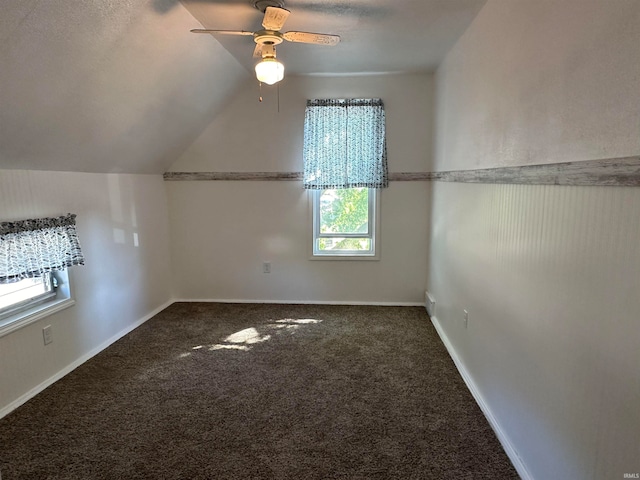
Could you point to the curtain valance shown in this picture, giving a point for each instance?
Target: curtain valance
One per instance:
(30, 248)
(344, 144)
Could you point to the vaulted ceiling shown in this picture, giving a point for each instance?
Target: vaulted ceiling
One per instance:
(123, 86)
(376, 35)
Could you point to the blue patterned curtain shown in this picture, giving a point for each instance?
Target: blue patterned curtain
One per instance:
(30, 248)
(344, 144)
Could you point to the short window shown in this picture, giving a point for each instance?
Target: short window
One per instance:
(344, 222)
(22, 295)
(31, 299)
(34, 256)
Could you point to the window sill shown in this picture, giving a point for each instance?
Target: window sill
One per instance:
(33, 314)
(345, 257)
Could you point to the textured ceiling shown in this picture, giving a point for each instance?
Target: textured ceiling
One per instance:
(376, 35)
(123, 86)
(95, 86)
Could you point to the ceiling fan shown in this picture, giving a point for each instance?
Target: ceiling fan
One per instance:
(269, 70)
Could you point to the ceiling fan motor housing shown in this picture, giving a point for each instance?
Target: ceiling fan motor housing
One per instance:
(263, 4)
(267, 37)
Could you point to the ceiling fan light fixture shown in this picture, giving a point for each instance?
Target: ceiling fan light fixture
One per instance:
(269, 71)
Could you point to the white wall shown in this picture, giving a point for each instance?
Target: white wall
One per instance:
(541, 81)
(122, 225)
(549, 274)
(250, 136)
(223, 231)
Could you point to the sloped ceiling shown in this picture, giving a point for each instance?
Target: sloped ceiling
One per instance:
(122, 86)
(377, 36)
(96, 86)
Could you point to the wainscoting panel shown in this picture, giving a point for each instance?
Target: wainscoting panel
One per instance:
(550, 278)
(123, 229)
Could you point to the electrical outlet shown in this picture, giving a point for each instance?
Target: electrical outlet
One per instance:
(466, 318)
(47, 335)
(266, 267)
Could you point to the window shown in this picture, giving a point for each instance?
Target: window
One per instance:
(34, 256)
(30, 299)
(25, 293)
(344, 222)
(345, 162)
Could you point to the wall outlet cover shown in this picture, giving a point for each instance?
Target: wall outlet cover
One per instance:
(47, 335)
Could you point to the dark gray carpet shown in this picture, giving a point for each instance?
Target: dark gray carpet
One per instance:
(228, 391)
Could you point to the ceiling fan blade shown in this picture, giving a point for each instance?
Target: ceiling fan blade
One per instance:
(221, 32)
(257, 52)
(315, 38)
(274, 18)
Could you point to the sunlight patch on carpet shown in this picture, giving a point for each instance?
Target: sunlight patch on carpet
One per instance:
(244, 339)
(248, 336)
(301, 321)
(244, 348)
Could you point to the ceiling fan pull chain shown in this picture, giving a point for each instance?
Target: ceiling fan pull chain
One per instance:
(260, 87)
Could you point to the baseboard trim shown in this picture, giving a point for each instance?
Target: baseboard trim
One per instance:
(72, 366)
(299, 302)
(493, 421)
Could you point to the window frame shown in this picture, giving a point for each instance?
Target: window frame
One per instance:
(39, 307)
(373, 231)
(50, 286)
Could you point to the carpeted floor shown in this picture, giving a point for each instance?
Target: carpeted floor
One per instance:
(230, 391)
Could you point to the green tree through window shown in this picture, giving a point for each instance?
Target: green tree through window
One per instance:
(344, 210)
(344, 223)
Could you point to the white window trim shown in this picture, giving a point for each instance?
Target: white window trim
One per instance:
(374, 203)
(60, 301)
(49, 283)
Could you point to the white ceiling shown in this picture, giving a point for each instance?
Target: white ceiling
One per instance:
(123, 86)
(376, 35)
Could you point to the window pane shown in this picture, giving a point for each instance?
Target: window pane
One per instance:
(344, 211)
(337, 244)
(12, 294)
